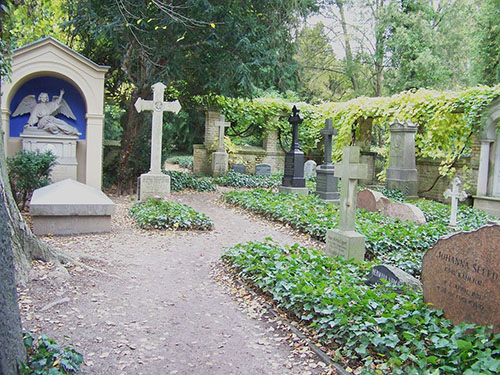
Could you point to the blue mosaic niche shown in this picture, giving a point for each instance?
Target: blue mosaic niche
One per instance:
(52, 86)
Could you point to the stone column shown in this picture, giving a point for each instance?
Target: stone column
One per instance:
(402, 171)
(93, 173)
(5, 128)
(484, 161)
(365, 133)
(211, 131)
(270, 141)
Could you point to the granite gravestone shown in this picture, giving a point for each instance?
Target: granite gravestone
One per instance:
(402, 170)
(344, 241)
(460, 275)
(326, 182)
(263, 170)
(309, 168)
(393, 275)
(155, 182)
(220, 158)
(293, 179)
(239, 168)
(455, 194)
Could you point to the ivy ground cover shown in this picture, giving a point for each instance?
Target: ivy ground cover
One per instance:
(156, 213)
(374, 329)
(388, 240)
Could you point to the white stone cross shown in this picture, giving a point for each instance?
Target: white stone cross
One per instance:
(158, 106)
(221, 124)
(455, 194)
(350, 171)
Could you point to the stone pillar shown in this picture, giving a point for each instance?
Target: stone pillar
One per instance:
(5, 128)
(93, 173)
(270, 141)
(365, 133)
(484, 158)
(402, 171)
(211, 131)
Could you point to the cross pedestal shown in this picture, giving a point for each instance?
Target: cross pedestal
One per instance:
(455, 194)
(343, 240)
(326, 182)
(155, 183)
(220, 157)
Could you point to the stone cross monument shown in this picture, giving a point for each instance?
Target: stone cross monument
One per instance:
(455, 194)
(344, 241)
(155, 182)
(326, 182)
(293, 179)
(402, 170)
(220, 157)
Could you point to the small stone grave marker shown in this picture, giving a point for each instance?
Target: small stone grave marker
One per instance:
(239, 168)
(460, 275)
(455, 194)
(263, 170)
(309, 168)
(393, 275)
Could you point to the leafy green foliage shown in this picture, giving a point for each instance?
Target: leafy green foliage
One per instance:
(388, 240)
(46, 357)
(29, 171)
(240, 180)
(395, 333)
(182, 180)
(156, 213)
(184, 161)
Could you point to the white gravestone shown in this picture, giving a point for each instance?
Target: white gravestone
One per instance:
(344, 241)
(309, 168)
(220, 157)
(455, 194)
(155, 182)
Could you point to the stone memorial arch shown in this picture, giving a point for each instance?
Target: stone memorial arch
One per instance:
(487, 196)
(68, 80)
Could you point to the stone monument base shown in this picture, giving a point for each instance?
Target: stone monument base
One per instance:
(348, 244)
(404, 180)
(327, 185)
(293, 190)
(220, 163)
(70, 207)
(151, 185)
(490, 205)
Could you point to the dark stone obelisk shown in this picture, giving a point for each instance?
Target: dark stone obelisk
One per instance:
(326, 182)
(293, 179)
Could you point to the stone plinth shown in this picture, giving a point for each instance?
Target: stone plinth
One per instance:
(63, 146)
(461, 276)
(294, 170)
(219, 163)
(490, 205)
(327, 184)
(70, 207)
(293, 190)
(347, 244)
(151, 185)
(402, 170)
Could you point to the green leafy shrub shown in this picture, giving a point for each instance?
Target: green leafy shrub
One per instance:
(181, 181)
(162, 214)
(29, 171)
(46, 357)
(184, 161)
(389, 333)
(240, 180)
(389, 240)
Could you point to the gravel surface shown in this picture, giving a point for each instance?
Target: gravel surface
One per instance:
(164, 304)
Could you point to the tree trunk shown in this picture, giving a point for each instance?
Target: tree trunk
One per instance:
(350, 68)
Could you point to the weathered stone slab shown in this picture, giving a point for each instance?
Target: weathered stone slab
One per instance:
(372, 201)
(239, 168)
(347, 244)
(309, 168)
(151, 185)
(220, 163)
(263, 170)
(460, 275)
(405, 212)
(70, 207)
(393, 275)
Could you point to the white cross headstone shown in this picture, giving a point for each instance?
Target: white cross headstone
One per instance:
(349, 171)
(455, 194)
(158, 106)
(221, 124)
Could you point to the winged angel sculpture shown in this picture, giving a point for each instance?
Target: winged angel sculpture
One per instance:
(43, 113)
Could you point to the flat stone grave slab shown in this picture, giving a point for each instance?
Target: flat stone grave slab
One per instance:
(239, 168)
(263, 170)
(460, 275)
(393, 275)
(70, 207)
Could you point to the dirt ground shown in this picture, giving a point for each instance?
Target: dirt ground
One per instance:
(163, 304)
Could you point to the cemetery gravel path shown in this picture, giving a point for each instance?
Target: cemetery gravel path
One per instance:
(167, 308)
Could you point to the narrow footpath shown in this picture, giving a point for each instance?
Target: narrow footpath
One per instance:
(164, 307)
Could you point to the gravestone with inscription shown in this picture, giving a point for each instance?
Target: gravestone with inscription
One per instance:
(344, 241)
(402, 170)
(393, 275)
(220, 157)
(326, 182)
(239, 168)
(293, 180)
(263, 170)
(155, 182)
(461, 276)
(309, 168)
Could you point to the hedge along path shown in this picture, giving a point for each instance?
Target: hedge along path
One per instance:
(168, 312)
(447, 119)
